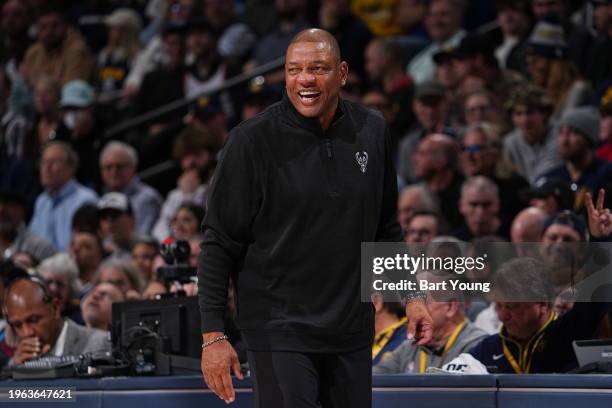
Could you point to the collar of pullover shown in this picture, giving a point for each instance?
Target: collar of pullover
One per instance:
(312, 124)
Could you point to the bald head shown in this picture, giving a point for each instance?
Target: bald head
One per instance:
(527, 225)
(316, 35)
(24, 293)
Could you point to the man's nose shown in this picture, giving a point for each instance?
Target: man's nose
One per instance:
(306, 78)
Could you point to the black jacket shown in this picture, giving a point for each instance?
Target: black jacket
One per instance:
(289, 206)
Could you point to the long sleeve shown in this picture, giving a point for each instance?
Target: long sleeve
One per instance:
(233, 204)
(388, 226)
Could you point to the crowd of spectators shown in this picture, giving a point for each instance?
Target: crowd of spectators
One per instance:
(500, 114)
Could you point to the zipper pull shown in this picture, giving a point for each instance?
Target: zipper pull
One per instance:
(329, 149)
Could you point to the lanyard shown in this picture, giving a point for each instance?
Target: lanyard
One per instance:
(382, 338)
(449, 343)
(526, 355)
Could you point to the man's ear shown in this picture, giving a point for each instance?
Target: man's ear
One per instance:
(377, 300)
(344, 70)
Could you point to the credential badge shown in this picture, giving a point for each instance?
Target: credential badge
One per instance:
(362, 160)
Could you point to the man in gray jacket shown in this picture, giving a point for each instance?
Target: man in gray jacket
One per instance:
(453, 334)
(35, 317)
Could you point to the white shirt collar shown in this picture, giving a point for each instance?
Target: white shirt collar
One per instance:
(58, 349)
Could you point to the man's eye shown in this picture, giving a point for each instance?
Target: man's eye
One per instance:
(293, 71)
(320, 69)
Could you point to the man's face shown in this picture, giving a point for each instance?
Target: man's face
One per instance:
(117, 170)
(11, 216)
(58, 285)
(55, 171)
(430, 112)
(602, 16)
(442, 21)
(476, 157)
(46, 99)
(51, 31)
(450, 73)
(530, 121)
(426, 159)
(374, 63)
(572, 145)
(117, 226)
(85, 250)
(33, 318)
(175, 48)
(313, 79)
(521, 319)
(478, 108)
(15, 20)
(200, 43)
(480, 208)
(409, 202)
(117, 278)
(143, 256)
(539, 69)
(543, 7)
(218, 12)
(511, 20)
(422, 228)
(558, 234)
(97, 305)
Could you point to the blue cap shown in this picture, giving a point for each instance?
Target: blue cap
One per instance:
(77, 94)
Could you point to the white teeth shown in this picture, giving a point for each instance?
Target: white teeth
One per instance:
(308, 93)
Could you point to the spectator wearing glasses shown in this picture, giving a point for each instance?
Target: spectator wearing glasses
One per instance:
(61, 275)
(118, 164)
(481, 155)
(481, 106)
(62, 197)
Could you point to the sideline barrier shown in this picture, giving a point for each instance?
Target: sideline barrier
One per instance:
(389, 391)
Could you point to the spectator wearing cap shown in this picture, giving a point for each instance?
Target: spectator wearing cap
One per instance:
(61, 275)
(59, 51)
(550, 195)
(514, 23)
(481, 155)
(531, 147)
(195, 151)
(14, 128)
(443, 22)
(117, 224)
(118, 164)
(78, 126)
(604, 151)
(581, 169)
(122, 46)
(386, 69)
(577, 37)
(453, 334)
(431, 109)
(598, 64)
(436, 164)
(479, 204)
(15, 236)
(15, 24)
(532, 340)
(549, 68)
(63, 195)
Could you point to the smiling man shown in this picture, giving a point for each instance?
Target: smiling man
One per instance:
(299, 188)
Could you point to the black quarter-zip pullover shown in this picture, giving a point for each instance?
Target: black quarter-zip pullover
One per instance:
(289, 206)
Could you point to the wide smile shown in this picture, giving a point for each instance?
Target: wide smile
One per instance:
(309, 97)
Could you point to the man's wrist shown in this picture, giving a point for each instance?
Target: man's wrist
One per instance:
(415, 296)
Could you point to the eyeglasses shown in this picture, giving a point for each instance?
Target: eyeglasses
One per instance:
(473, 148)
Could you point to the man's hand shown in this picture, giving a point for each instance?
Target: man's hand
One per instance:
(600, 219)
(29, 348)
(420, 326)
(217, 360)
